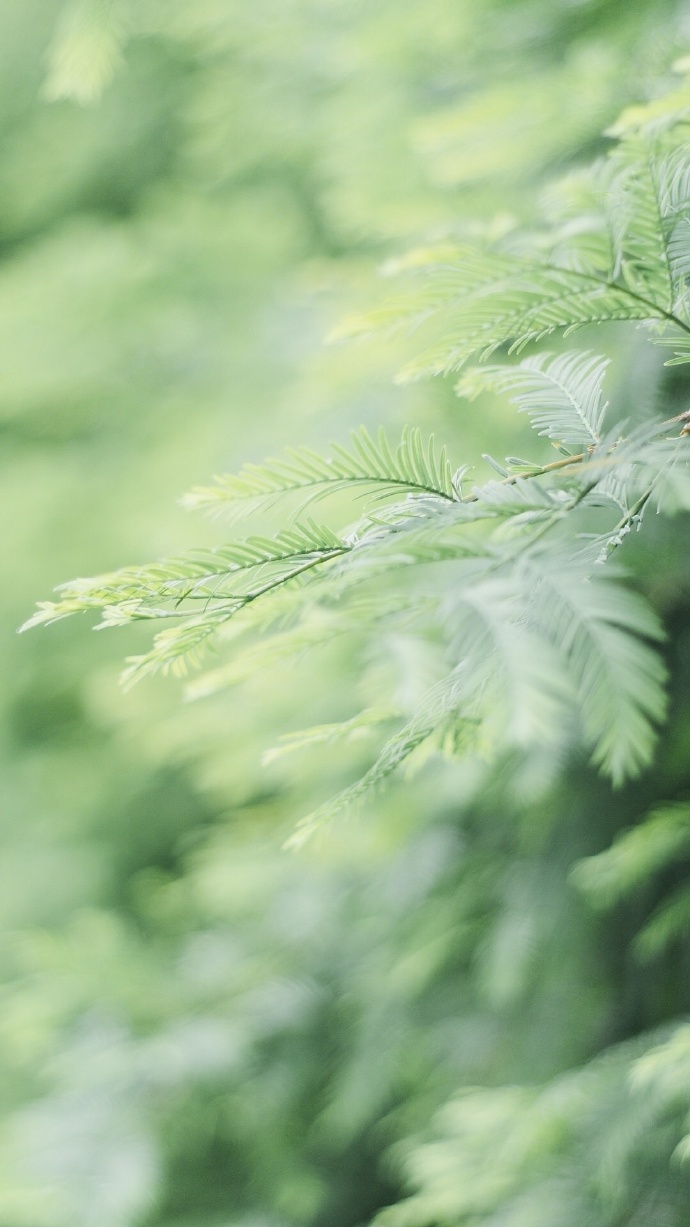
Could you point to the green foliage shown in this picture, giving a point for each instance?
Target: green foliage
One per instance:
(634, 856)
(562, 395)
(87, 48)
(613, 246)
(412, 467)
(573, 1151)
(531, 629)
(199, 1030)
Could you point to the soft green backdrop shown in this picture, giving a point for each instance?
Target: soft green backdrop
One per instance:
(197, 1028)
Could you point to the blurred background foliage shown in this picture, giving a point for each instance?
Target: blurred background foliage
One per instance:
(197, 1028)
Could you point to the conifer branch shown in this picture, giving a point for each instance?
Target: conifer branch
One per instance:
(533, 630)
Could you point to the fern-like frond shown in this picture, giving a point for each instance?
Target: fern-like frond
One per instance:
(669, 923)
(87, 48)
(602, 627)
(528, 634)
(539, 300)
(536, 636)
(175, 650)
(626, 258)
(357, 727)
(441, 276)
(562, 1153)
(635, 856)
(656, 117)
(525, 689)
(673, 191)
(561, 394)
(636, 222)
(531, 648)
(443, 701)
(499, 299)
(231, 575)
(369, 463)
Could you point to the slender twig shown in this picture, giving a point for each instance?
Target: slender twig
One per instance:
(580, 458)
(624, 525)
(537, 471)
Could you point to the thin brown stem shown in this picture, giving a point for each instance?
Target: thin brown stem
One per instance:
(537, 471)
